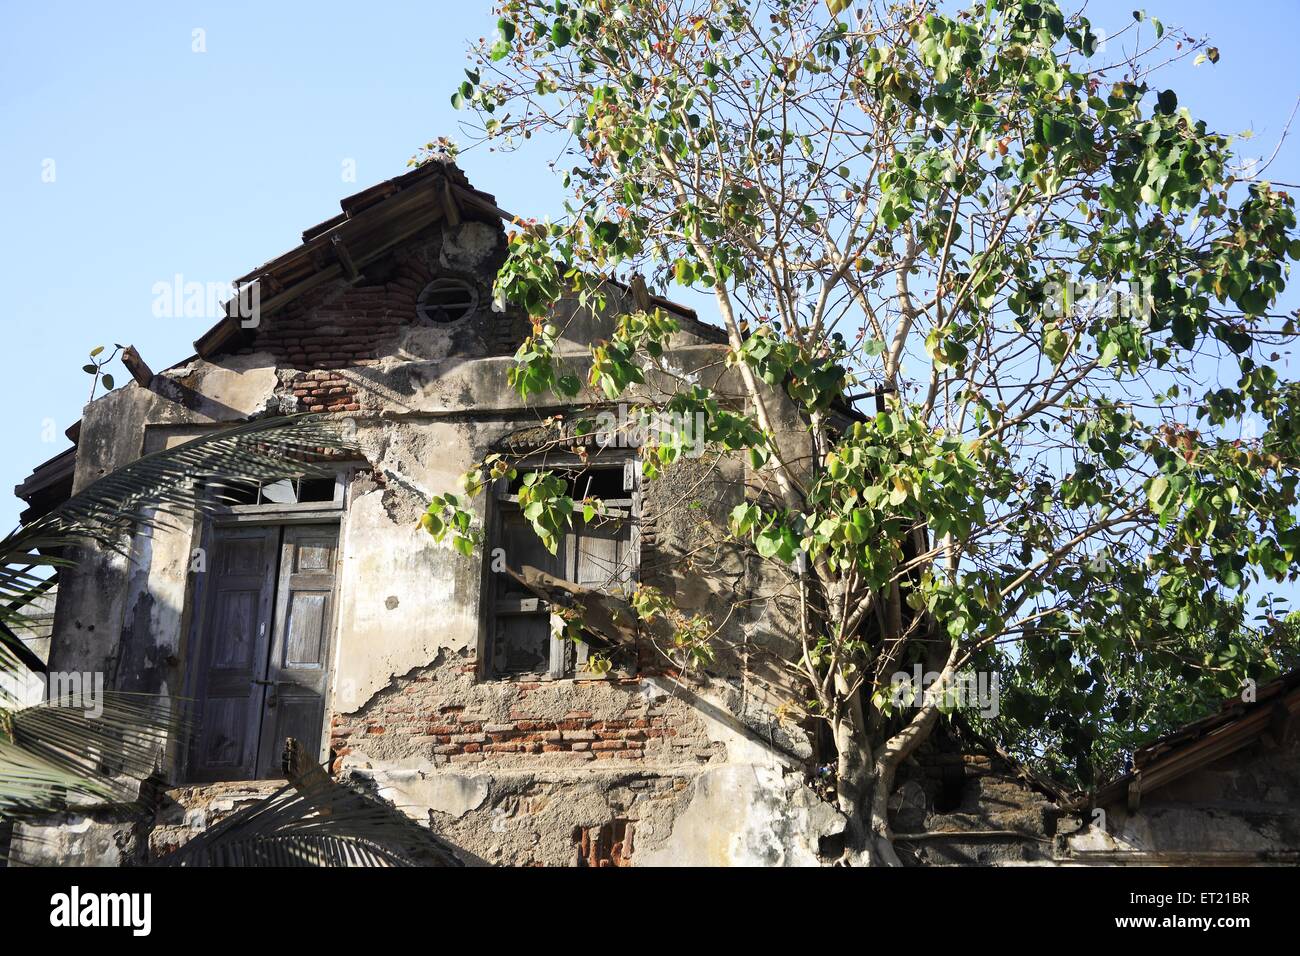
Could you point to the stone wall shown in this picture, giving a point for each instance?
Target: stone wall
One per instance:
(957, 805)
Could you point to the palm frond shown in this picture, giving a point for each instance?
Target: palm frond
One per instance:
(335, 826)
(315, 821)
(293, 850)
(162, 490)
(28, 780)
(177, 483)
(15, 656)
(57, 753)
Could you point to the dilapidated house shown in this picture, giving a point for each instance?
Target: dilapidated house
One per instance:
(431, 681)
(319, 611)
(1221, 791)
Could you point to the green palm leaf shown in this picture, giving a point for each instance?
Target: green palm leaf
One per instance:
(55, 754)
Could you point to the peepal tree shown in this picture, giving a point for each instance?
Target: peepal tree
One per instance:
(1030, 278)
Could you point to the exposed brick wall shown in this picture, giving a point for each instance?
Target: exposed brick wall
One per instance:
(342, 325)
(443, 714)
(324, 391)
(339, 327)
(609, 844)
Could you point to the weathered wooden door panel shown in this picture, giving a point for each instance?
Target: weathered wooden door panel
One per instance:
(298, 674)
(234, 650)
(520, 546)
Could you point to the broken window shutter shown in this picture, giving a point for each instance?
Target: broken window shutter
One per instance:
(560, 651)
(645, 540)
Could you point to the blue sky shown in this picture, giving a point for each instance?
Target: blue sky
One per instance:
(166, 160)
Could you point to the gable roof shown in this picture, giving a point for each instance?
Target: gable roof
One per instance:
(372, 222)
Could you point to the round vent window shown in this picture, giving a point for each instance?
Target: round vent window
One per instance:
(446, 300)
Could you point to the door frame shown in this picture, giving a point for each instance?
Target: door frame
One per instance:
(198, 677)
(281, 602)
(199, 596)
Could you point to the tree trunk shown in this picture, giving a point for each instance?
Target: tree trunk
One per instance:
(862, 795)
(865, 786)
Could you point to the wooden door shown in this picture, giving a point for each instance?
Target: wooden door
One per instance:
(298, 668)
(231, 689)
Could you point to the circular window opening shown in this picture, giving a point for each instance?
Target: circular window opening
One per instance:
(446, 300)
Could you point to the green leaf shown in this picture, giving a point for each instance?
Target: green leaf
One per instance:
(1157, 491)
(1055, 344)
(743, 518)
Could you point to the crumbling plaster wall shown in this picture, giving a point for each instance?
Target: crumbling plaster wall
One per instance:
(514, 771)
